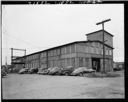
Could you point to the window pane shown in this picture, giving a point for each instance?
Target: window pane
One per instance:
(86, 49)
(73, 62)
(80, 62)
(110, 52)
(87, 62)
(68, 49)
(72, 48)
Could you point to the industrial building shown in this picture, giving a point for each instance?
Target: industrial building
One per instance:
(78, 54)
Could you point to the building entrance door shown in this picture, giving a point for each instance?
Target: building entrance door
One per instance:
(96, 64)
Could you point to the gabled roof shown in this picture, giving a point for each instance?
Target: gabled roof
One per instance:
(76, 42)
(100, 31)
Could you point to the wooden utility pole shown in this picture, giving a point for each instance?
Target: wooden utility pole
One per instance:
(102, 22)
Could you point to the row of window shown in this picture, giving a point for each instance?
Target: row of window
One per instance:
(93, 44)
(33, 64)
(67, 62)
(32, 57)
(93, 50)
(54, 52)
(68, 49)
(81, 61)
(64, 50)
(71, 49)
(62, 63)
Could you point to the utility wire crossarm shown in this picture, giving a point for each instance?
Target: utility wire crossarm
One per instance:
(103, 21)
(19, 49)
(12, 55)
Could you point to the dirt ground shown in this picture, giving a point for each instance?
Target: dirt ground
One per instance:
(34, 86)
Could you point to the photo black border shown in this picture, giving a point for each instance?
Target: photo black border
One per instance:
(25, 2)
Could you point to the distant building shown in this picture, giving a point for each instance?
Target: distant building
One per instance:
(118, 65)
(78, 54)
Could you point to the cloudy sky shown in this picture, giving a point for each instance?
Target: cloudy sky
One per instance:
(38, 27)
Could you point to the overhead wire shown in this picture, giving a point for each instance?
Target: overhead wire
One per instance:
(23, 41)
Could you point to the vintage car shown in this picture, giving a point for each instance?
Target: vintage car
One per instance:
(33, 70)
(3, 73)
(81, 70)
(55, 71)
(43, 71)
(23, 71)
(67, 70)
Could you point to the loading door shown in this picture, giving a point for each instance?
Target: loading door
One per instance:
(96, 64)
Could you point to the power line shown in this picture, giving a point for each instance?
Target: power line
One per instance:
(13, 37)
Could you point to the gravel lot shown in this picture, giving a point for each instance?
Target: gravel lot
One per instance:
(34, 86)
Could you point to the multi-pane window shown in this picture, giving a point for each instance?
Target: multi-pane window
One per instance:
(52, 63)
(54, 52)
(107, 52)
(97, 52)
(91, 49)
(81, 62)
(62, 63)
(110, 52)
(58, 51)
(87, 62)
(43, 54)
(93, 44)
(35, 64)
(98, 45)
(68, 62)
(94, 49)
(32, 64)
(49, 54)
(55, 63)
(63, 50)
(72, 48)
(73, 61)
(86, 49)
(68, 49)
(33, 57)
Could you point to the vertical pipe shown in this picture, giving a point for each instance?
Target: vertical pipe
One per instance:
(25, 52)
(60, 64)
(103, 50)
(47, 58)
(11, 59)
(11, 56)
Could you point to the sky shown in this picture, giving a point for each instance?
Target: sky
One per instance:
(39, 27)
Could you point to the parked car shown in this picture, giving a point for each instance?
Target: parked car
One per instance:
(67, 71)
(117, 69)
(50, 68)
(55, 71)
(33, 70)
(23, 71)
(3, 73)
(43, 71)
(81, 70)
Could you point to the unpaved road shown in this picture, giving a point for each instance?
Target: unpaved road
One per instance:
(34, 86)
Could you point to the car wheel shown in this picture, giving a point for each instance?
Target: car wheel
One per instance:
(81, 74)
(66, 74)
